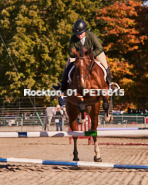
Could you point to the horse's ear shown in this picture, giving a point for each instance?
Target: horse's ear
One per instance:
(88, 51)
(75, 52)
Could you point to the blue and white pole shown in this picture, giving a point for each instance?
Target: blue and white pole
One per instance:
(76, 163)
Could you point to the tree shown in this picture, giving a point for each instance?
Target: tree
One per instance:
(37, 35)
(123, 28)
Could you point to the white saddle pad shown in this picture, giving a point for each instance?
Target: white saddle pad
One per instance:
(105, 75)
(103, 68)
(97, 62)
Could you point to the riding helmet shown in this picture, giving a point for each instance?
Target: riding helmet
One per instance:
(79, 27)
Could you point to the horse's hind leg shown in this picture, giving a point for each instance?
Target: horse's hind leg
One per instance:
(107, 117)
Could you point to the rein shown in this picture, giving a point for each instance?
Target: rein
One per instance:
(91, 65)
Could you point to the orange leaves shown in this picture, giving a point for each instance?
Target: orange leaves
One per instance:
(109, 46)
(126, 81)
(130, 2)
(124, 31)
(122, 21)
(120, 10)
(143, 38)
(120, 68)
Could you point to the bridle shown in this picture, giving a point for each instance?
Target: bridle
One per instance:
(90, 67)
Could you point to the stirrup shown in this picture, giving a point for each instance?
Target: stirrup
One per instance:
(56, 88)
(114, 89)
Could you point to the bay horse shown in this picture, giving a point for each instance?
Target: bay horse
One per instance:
(87, 74)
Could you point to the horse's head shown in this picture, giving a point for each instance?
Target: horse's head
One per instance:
(83, 64)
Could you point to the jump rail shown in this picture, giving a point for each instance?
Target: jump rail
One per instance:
(113, 133)
(126, 144)
(76, 163)
(120, 128)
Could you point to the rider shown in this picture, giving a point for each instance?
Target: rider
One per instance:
(89, 40)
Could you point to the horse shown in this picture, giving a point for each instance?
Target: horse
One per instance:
(49, 113)
(86, 75)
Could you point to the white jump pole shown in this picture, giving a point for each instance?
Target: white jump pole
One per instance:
(116, 133)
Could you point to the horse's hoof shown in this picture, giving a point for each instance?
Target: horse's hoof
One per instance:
(108, 119)
(97, 159)
(76, 159)
(111, 118)
(80, 121)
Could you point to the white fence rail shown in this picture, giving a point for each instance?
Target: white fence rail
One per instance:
(34, 120)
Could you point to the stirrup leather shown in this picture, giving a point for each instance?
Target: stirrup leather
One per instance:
(116, 88)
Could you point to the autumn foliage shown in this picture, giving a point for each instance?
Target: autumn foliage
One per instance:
(37, 35)
(124, 31)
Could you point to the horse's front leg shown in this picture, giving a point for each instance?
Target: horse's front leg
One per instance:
(75, 153)
(73, 112)
(73, 128)
(107, 116)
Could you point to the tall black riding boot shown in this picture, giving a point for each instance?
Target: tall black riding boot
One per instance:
(63, 84)
(108, 78)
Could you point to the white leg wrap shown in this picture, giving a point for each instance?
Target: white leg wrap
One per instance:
(97, 150)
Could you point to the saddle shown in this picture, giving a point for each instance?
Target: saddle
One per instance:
(73, 68)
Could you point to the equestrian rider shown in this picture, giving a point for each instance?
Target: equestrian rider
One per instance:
(89, 40)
